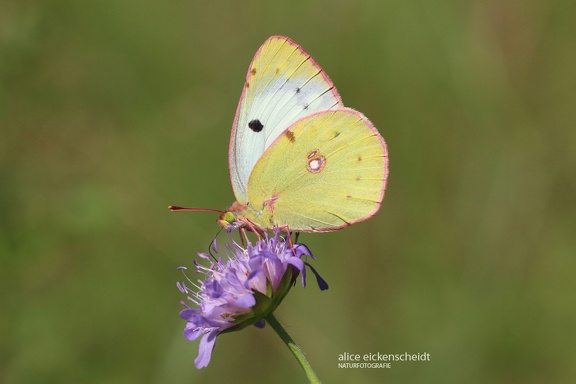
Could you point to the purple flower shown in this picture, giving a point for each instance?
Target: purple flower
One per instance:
(241, 289)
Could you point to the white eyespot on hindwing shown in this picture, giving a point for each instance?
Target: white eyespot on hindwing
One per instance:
(315, 161)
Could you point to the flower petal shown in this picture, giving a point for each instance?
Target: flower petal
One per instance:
(322, 284)
(188, 313)
(191, 332)
(246, 301)
(205, 349)
(303, 250)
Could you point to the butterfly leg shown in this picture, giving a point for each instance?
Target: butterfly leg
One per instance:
(243, 236)
(248, 224)
(287, 229)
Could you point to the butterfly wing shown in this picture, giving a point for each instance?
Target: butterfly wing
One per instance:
(283, 84)
(325, 172)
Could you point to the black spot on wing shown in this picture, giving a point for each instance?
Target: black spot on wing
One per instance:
(255, 125)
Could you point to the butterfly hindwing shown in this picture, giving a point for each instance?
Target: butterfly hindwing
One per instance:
(326, 171)
(283, 85)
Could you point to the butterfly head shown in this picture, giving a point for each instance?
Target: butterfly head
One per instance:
(232, 217)
(227, 219)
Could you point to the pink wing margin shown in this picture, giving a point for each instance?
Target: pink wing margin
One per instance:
(384, 181)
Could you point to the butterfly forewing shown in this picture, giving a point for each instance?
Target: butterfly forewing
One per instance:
(283, 85)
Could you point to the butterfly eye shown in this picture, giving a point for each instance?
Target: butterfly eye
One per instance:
(229, 217)
(255, 125)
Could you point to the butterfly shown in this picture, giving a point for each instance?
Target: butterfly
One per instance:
(298, 158)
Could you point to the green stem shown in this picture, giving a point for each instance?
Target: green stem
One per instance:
(294, 348)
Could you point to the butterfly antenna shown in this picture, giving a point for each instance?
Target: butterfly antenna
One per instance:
(176, 208)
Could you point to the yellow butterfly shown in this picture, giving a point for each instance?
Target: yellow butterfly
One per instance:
(298, 158)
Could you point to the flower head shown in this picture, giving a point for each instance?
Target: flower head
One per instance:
(241, 289)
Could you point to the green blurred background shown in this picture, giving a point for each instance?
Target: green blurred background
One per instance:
(111, 110)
